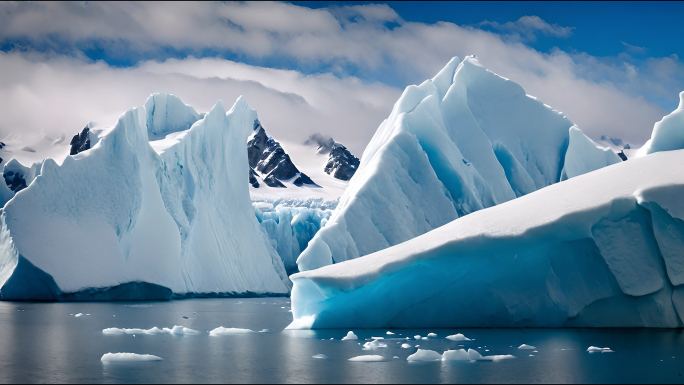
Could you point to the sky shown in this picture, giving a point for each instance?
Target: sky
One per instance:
(334, 68)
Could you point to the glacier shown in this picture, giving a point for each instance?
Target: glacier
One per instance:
(132, 218)
(462, 141)
(602, 249)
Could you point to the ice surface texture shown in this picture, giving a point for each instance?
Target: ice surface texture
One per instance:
(156, 218)
(462, 141)
(602, 249)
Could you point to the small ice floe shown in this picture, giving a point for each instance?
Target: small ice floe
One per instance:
(221, 331)
(458, 337)
(524, 346)
(377, 338)
(320, 356)
(390, 333)
(424, 355)
(263, 331)
(78, 315)
(128, 357)
(432, 335)
(176, 330)
(350, 336)
(375, 344)
(368, 358)
(395, 357)
(417, 336)
(424, 338)
(455, 355)
(406, 346)
(531, 355)
(476, 356)
(594, 349)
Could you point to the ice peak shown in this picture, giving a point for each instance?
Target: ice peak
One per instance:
(681, 101)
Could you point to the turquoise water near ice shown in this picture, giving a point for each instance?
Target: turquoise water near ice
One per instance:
(45, 342)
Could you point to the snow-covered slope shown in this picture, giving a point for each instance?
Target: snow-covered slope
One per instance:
(130, 219)
(603, 249)
(465, 140)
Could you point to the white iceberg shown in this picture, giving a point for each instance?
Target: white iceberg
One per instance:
(525, 346)
(133, 219)
(455, 355)
(458, 337)
(368, 358)
(350, 336)
(462, 141)
(424, 355)
(476, 356)
(594, 349)
(602, 249)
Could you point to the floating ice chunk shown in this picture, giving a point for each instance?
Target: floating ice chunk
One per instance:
(375, 344)
(390, 333)
(455, 355)
(221, 331)
(458, 337)
(476, 356)
(78, 315)
(417, 336)
(263, 331)
(524, 346)
(368, 358)
(128, 357)
(424, 338)
(395, 357)
(424, 355)
(432, 335)
(350, 336)
(320, 356)
(176, 330)
(406, 346)
(377, 338)
(594, 349)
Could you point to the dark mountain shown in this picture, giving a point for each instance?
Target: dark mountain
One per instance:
(341, 163)
(268, 160)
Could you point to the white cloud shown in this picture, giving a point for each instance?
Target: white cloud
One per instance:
(527, 27)
(602, 95)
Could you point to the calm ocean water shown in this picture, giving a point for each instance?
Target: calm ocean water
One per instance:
(46, 343)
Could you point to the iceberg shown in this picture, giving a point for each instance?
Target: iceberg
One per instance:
(134, 219)
(668, 133)
(602, 249)
(128, 357)
(462, 141)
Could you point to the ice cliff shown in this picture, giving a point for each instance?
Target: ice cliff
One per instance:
(134, 219)
(462, 141)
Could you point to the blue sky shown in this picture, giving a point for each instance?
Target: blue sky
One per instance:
(613, 67)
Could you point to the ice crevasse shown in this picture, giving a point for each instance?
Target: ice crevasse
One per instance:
(602, 249)
(462, 141)
(138, 219)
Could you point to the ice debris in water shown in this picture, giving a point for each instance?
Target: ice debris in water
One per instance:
(176, 330)
(424, 355)
(524, 346)
(263, 330)
(78, 315)
(368, 358)
(375, 344)
(456, 355)
(594, 349)
(476, 356)
(432, 335)
(350, 336)
(128, 357)
(389, 333)
(321, 356)
(405, 346)
(417, 336)
(221, 331)
(458, 337)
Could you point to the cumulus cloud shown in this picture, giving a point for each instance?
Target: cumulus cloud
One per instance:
(370, 41)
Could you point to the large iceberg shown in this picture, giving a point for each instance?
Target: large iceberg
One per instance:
(603, 249)
(134, 219)
(668, 133)
(462, 141)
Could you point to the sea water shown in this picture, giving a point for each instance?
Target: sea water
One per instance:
(48, 343)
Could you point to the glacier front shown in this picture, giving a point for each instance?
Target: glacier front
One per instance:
(462, 141)
(134, 219)
(603, 249)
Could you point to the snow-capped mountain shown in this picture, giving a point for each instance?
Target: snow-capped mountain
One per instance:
(134, 219)
(603, 249)
(462, 141)
(269, 162)
(80, 142)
